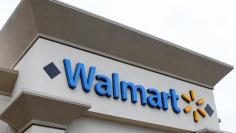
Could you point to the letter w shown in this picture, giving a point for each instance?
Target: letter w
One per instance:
(72, 79)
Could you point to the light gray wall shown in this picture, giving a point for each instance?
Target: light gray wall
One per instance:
(40, 129)
(3, 101)
(4, 128)
(94, 125)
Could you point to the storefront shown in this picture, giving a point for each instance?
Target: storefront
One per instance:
(64, 70)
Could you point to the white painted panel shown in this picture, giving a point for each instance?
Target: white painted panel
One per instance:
(3, 127)
(93, 125)
(33, 77)
(40, 129)
(3, 102)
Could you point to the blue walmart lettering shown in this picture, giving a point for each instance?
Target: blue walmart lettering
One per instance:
(119, 89)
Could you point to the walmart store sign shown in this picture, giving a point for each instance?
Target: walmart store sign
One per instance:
(112, 87)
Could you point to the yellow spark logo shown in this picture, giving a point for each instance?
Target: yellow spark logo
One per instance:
(200, 102)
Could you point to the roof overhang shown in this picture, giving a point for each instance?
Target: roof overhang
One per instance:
(77, 28)
(41, 109)
(7, 81)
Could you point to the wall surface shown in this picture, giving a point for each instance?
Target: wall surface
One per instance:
(92, 125)
(4, 128)
(40, 129)
(33, 77)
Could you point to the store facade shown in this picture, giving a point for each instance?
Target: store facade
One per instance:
(64, 70)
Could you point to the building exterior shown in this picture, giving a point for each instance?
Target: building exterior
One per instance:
(64, 70)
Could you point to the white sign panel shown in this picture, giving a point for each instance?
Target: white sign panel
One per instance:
(114, 88)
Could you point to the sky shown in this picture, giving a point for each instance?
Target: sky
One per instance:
(204, 26)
